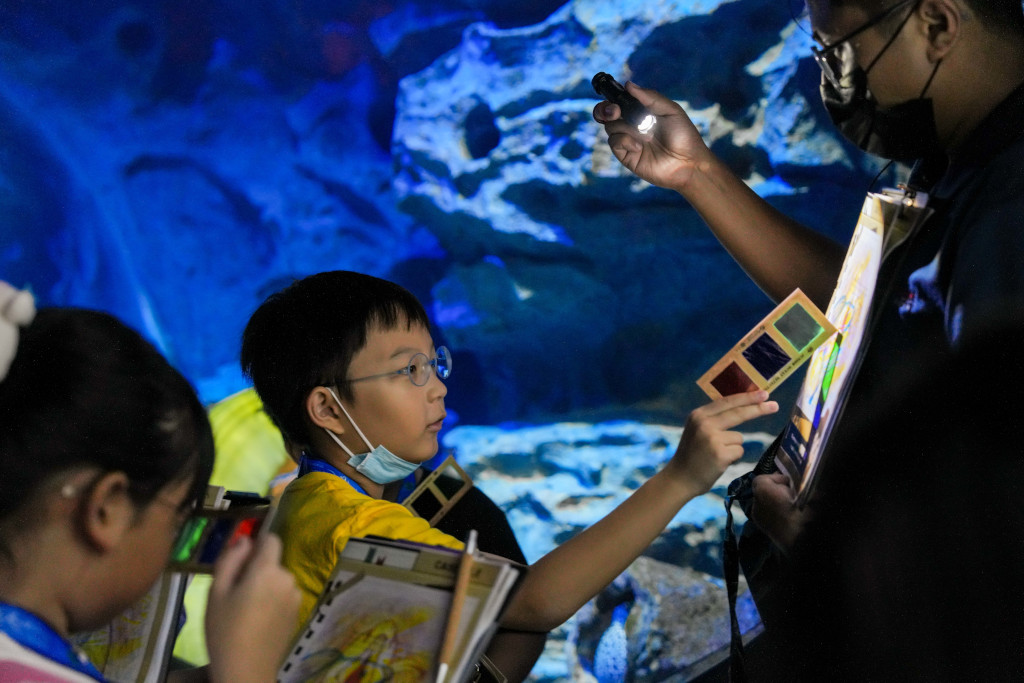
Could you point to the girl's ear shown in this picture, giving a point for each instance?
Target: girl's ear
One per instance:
(323, 411)
(107, 512)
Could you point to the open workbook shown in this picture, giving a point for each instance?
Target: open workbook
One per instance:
(886, 220)
(136, 646)
(385, 614)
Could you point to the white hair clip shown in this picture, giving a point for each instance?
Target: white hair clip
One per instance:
(17, 309)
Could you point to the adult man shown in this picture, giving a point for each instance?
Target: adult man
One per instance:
(933, 81)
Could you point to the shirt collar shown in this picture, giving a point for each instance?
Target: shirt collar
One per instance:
(33, 633)
(310, 463)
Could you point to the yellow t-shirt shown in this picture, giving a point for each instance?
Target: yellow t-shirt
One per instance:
(317, 515)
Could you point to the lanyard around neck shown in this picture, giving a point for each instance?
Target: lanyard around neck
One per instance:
(33, 633)
(308, 463)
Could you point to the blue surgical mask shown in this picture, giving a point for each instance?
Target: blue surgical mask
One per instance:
(379, 465)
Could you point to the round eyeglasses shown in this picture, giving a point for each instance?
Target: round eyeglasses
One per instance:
(420, 368)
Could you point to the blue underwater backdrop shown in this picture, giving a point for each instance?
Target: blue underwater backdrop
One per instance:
(175, 161)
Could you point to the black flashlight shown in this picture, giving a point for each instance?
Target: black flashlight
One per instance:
(632, 111)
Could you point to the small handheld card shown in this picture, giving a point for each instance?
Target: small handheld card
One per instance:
(770, 352)
(632, 111)
(439, 491)
(209, 531)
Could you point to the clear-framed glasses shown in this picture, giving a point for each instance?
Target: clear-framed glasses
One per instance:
(832, 58)
(420, 368)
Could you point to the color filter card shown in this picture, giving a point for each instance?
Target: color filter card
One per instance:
(208, 532)
(772, 351)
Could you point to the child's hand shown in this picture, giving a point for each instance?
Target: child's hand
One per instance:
(708, 446)
(251, 613)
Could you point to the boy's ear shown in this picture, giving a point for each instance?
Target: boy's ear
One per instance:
(943, 23)
(323, 411)
(107, 512)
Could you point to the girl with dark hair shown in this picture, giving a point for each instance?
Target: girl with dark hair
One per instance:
(104, 452)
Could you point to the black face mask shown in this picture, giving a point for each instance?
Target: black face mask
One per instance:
(905, 132)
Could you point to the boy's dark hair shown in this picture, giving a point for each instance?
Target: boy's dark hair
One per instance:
(86, 390)
(305, 336)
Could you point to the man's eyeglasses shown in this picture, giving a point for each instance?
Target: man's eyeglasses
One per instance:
(831, 61)
(420, 368)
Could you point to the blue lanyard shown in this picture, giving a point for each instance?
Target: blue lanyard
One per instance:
(33, 633)
(307, 464)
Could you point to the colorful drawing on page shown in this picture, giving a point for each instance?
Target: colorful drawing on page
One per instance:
(378, 635)
(885, 220)
(118, 645)
(135, 645)
(846, 311)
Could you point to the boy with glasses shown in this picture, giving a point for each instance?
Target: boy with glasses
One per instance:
(346, 366)
(936, 82)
